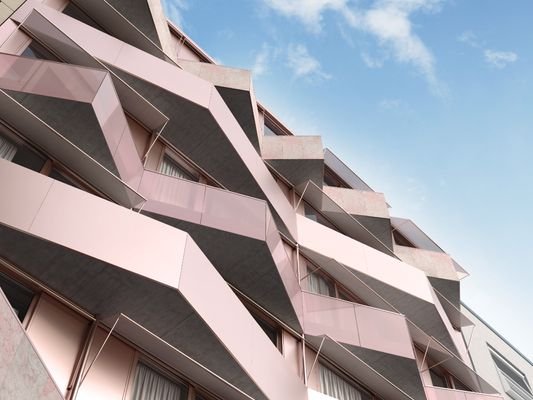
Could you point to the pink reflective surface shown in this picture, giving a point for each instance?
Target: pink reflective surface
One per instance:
(58, 334)
(133, 242)
(383, 331)
(437, 393)
(49, 78)
(331, 317)
(363, 258)
(173, 197)
(234, 213)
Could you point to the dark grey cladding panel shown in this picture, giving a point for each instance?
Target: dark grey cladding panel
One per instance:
(138, 13)
(449, 289)
(300, 171)
(240, 104)
(401, 371)
(244, 262)
(74, 120)
(380, 227)
(420, 312)
(106, 290)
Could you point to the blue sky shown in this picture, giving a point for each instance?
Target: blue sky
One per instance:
(429, 101)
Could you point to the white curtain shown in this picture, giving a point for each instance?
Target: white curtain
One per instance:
(334, 386)
(7, 149)
(149, 385)
(319, 285)
(171, 168)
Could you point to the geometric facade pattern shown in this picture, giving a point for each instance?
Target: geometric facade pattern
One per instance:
(163, 236)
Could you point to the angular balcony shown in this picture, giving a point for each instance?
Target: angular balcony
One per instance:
(444, 358)
(138, 267)
(197, 114)
(99, 151)
(404, 288)
(298, 158)
(235, 87)
(338, 216)
(236, 232)
(356, 325)
(368, 207)
(434, 264)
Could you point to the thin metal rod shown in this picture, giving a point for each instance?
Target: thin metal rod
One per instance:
(302, 195)
(100, 350)
(316, 358)
(426, 352)
(145, 157)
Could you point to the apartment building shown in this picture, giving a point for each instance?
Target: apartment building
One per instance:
(165, 237)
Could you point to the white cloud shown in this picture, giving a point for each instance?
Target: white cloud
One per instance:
(174, 10)
(469, 38)
(500, 59)
(308, 11)
(389, 21)
(372, 62)
(390, 104)
(303, 64)
(261, 61)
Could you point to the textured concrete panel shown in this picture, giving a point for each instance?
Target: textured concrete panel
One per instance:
(23, 375)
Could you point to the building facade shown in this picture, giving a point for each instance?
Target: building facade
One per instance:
(165, 237)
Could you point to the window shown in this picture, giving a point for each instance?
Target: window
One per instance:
(320, 284)
(7, 149)
(151, 385)
(335, 386)
(513, 380)
(18, 296)
(437, 379)
(171, 168)
(440, 377)
(400, 239)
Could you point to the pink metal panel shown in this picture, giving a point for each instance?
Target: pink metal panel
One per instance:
(255, 164)
(331, 317)
(242, 337)
(109, 375)
(74, 219)
(438, 393)
(363, 258)
(435, 393)
(22, 194)
(49, 78)
(234, 213)
(285, 266)
(173, 197)
(58, 335)
(383, 331)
